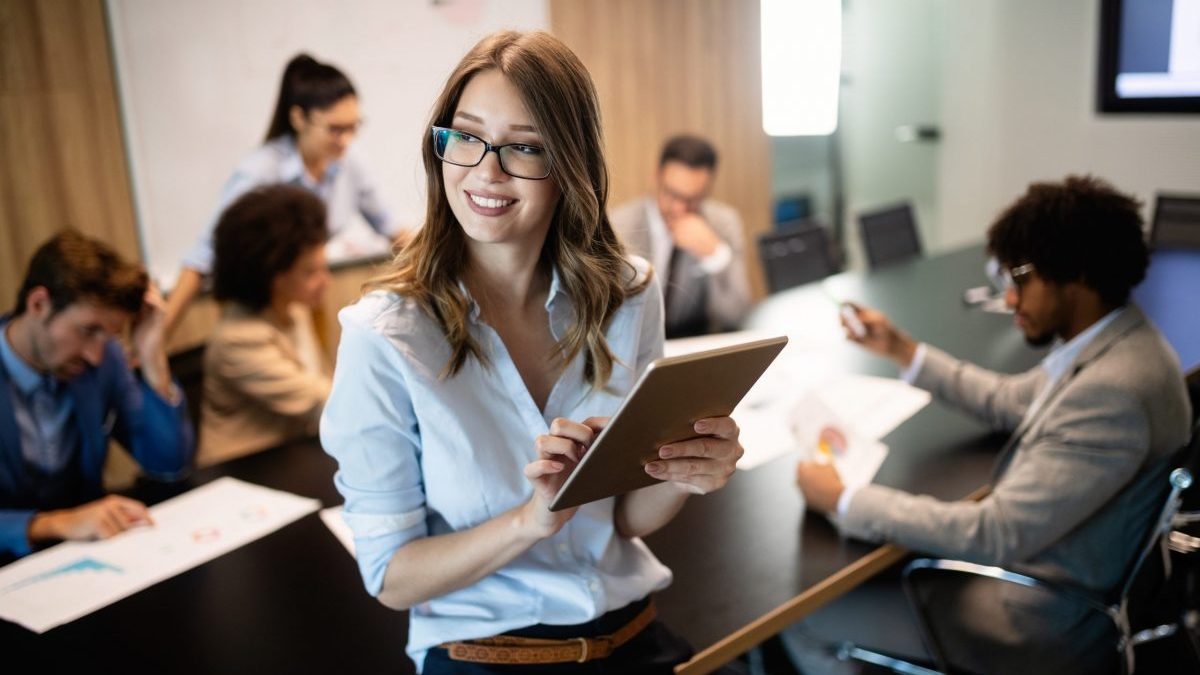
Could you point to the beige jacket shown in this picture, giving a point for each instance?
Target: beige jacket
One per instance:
(264, 384)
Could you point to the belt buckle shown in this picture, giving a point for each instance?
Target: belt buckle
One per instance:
(602, 646)
(583, 654)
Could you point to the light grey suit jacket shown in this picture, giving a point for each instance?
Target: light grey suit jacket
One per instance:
(721, 300)
(1074, 490)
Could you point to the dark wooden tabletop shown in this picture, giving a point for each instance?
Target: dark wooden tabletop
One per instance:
(293, 601)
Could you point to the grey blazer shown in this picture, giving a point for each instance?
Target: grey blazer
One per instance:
(1073, 491)
(720, 301)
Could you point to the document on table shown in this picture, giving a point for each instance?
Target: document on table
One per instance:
(868, 407)
(824, 436)
(873, 405)
(774, 408)
(332, 517)
(73, 579)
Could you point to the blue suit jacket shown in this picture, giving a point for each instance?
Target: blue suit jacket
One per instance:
(109, 402)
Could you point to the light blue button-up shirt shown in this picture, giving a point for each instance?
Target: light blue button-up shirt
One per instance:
(346, 188)
(43, 410)
(420, 456)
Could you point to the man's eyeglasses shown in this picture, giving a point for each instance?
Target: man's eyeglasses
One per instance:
(1005, 278)
(519, 160)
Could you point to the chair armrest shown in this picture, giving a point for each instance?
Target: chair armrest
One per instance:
(933, 566)
(930, 566)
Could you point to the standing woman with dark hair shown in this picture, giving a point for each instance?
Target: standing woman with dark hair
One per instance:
(307, 144)
(475, 376)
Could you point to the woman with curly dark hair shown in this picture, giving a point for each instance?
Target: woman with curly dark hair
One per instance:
(265, 378)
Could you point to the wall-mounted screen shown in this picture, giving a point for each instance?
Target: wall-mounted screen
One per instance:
(1150, 56)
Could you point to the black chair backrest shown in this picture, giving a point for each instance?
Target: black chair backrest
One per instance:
(890, 235)
(1176, 222)
(795, 257)
(187, 366)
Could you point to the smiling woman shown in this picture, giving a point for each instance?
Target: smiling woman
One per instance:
(473, 378)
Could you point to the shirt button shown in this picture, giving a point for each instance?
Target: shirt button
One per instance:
(594, 585)
(564, 549)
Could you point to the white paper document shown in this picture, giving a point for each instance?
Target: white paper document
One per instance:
(777, 408)
(73, 579)
(867, 407)
(823, 436)
(332, 517)
(873, 406)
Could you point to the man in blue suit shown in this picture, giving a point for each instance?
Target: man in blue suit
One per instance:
(66, 389)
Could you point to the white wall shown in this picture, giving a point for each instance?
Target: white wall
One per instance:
(1018, 105)
(198, 82)
(890, 80)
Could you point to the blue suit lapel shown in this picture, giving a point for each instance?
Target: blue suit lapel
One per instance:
(87, 417)
(12, 462)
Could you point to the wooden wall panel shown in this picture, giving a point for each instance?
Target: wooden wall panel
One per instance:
(62, 161)
(668, 66)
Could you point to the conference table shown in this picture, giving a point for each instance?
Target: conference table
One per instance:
(747, 560)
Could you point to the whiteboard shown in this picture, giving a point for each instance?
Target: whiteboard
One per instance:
(197, 83)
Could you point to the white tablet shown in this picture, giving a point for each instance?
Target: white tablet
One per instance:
(668, 399)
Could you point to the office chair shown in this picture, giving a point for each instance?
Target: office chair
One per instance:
(1136, 590)
(187, 366)
(1176, 221)
(790, 208)
(796, 257)
(889, 235)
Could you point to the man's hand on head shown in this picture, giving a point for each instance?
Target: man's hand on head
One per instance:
(149, 343)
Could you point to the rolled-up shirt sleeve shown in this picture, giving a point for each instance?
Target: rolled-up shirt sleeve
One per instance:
(370, 428)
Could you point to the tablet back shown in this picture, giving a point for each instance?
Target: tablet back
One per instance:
(670, 396)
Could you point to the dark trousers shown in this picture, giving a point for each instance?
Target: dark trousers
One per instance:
(653, 651)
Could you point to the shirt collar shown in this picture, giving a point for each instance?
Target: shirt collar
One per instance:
(20, 373)
(658, 225)
(291, 169)
(660, 242)
(1064, 353)
(558, 303)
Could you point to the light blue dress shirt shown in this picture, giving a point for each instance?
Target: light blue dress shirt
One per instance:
(346, 189)
(43, 410)
(419, 455)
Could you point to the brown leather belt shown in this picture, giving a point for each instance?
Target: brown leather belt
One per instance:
(505, 649)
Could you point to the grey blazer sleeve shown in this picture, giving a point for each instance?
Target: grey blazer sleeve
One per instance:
(1090, 445)
(728, 290)
(999, 399)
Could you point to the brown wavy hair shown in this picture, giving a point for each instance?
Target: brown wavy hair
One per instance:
(559, 94)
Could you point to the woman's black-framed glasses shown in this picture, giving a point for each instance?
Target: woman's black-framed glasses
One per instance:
(519, 160)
